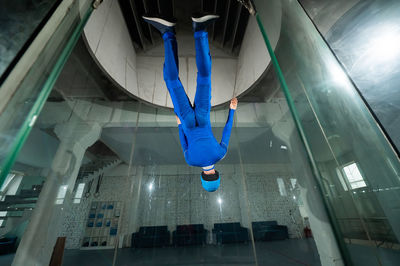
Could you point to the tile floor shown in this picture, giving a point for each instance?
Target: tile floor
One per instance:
(277, 253)
(287, 252)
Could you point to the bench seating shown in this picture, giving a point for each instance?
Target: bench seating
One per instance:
(230, 233)
(191, 234)
(151, 236)
(269, 230)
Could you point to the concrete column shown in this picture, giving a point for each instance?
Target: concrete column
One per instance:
(313, 203)
(40, 236)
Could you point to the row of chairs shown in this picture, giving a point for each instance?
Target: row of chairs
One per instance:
(196, 234)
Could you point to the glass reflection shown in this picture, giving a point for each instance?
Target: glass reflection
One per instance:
(150, 207)
(349, 149)
(365, 39)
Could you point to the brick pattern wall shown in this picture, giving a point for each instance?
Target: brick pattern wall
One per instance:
(174, 199)
(113, 188)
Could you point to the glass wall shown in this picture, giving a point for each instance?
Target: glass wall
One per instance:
(308, 178)
(364, 39)
(27, 84)
(20, 22)
(59, 168)
(20, 194)
(265, 181)
(113, 171)
(356, 167)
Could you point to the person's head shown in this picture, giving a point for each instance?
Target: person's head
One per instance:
(210, 180)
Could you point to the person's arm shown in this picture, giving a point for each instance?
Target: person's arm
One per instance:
(182, 136)
(226, 134)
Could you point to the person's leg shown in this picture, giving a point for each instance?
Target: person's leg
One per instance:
(202, 100)
(182, 106)
(171, 62)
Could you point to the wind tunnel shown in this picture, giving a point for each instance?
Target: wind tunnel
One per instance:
(92, 172)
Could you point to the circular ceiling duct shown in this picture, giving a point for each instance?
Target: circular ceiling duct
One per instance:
(131, 53)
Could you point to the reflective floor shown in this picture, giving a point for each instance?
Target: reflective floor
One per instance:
(287, 252)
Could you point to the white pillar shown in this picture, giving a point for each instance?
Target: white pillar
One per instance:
(45, 224)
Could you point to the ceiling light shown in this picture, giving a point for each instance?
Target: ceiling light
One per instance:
(379, 56)
(385, 46)
(338, 74)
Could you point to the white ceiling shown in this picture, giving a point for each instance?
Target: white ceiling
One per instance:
(162, 146)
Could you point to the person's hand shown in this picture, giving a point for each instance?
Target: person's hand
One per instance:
(234, 103)
(178, 120)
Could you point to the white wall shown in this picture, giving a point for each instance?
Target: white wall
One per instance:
(254, 57)
(108, 39)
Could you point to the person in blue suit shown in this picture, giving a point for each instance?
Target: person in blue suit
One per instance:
(199, 145)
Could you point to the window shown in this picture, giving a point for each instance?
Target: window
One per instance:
(79, 193)
(353, 176)
(281, 186)
(6, 182)
(61, 194)
(293, 181)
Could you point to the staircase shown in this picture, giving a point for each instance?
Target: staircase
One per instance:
(15, 204)
(18, 209)
(91, 170)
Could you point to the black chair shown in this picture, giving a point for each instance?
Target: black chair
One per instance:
(191, 234)
(230, 233)
(7, 245)
(151, 236)
(269, 230)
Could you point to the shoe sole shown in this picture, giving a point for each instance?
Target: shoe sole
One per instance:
(204, 18)
(160, 21)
